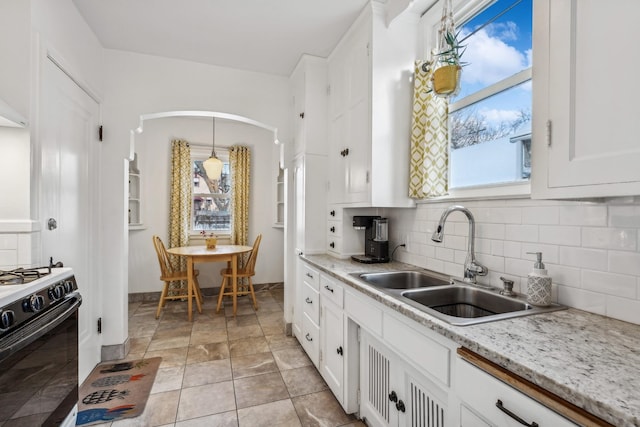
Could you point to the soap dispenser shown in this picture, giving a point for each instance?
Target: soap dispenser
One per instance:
(538, 283)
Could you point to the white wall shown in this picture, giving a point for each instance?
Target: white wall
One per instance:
(592, 250)
(153, 148)
(138, 84)
(14, 173)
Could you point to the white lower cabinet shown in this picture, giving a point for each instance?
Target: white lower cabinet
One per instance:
(393, 393)
(487, 401)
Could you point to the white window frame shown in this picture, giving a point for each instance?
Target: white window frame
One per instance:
(430, 22)
(203, 153)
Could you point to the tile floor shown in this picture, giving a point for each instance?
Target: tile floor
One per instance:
(225, 371)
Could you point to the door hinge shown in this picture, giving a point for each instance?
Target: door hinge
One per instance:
(358, 334)
(548, 133)
(320, 357)
(358, 396)
(99, 325)
(367, 177)
(367, 49)
(100, 133)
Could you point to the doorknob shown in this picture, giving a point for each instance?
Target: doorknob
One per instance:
(52, 224)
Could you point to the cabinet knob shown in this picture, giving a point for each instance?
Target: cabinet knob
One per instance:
(302, 115)
(332, 244)
(400, 406)
(308, 337)
(339, 350)
(332, 229)
(393, 396)
(309, 275)
(346, 151)
(332, 213)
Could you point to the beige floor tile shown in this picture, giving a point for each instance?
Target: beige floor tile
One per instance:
(166, 343)
(320, 409)
(207, 352)
(253, 364)
(259, 389)
(291, 358)
(173, 329)
(206, 400)
(245, 320)
(305, 380)
(247, 346)
(139, 345)
(208, 337)
(241, 332)
(170, 357)
(281, 413)
(211, 372)
(168, 379)
(243, 309)
(226, 419)
(281, 341)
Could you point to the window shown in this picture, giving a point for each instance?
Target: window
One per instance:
(490, 119)
(211, 210)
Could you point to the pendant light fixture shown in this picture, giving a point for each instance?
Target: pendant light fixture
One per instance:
(213, 165)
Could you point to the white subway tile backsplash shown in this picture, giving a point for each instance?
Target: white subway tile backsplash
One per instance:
(583, 214)
(563, 275)
(624, 216)
(624, 262)
(493, 263)
(8, 258)
(610, 283)
(445, 254)
(610, 238)
(548, 215)
(521, 233)
(517, 267)
(455, 242)
(512, 249)
(624, 309)
(505, 215)
(560, 235)
(595, 259)
(584, 300)
(496, 248)
(550, 253)
(490, 231)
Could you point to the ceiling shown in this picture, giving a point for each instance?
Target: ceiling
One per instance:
(258, 35)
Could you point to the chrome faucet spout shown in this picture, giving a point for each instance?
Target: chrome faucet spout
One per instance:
(471, 267)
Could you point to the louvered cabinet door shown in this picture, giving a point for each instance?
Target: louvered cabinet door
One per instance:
(375, 383)
(425, 402)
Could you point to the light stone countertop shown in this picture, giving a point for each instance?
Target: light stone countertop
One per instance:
(589, 360)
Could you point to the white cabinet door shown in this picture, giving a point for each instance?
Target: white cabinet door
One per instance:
(394, 394)
(584, 136)
(332, 347)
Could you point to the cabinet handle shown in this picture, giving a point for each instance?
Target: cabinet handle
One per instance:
(328, 288)
(333, 245)
(332, 213)
(393, 396)
(400, 406)
(302, 115)
(346, 151)
(309, 275)
(332, 229)
(308, 337)
(514, 416)
(308, 301)
(339, 350)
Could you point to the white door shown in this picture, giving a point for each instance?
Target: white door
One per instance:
(68, 139)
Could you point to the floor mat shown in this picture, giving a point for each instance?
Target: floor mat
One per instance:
(114, 391)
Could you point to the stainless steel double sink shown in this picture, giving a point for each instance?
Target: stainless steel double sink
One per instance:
(453, 301)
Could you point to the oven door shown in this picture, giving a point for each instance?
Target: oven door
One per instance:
(39, 367)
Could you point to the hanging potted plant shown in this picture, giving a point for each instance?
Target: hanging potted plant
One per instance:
(447, 66)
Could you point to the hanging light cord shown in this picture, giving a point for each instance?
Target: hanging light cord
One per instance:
(213, 139)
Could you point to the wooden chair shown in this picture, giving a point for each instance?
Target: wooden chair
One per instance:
(247, 271)
(168, 274)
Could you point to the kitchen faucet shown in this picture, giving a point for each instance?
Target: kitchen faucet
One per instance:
(471, 267)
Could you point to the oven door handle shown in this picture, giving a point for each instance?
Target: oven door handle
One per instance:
(39, 326)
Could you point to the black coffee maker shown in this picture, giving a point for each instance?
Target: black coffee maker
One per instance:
(376, 239)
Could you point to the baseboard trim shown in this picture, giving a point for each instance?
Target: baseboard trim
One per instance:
(115, 352)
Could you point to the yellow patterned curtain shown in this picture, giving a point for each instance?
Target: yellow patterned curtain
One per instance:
(181, 198)
(429, 139)
(240, 162)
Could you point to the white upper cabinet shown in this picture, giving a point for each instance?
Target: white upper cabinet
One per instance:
(584, 117)
(370, 92)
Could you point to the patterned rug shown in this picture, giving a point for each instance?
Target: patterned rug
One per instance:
(114, 391)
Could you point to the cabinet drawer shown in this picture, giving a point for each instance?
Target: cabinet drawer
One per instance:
(481, 391)
(429, 355)
(469, 419)
(363, 312)
(334, 244)
(311, 339)
(332, 290)
(311, 303)
(310, 276)
(334, 229)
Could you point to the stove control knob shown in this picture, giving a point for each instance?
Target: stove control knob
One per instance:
(34, 303)
(68, 286)
(7, 318)
(56, 292)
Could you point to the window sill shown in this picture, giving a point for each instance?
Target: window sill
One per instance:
(486, 192)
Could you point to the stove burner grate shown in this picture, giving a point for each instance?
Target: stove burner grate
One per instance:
(21, 275)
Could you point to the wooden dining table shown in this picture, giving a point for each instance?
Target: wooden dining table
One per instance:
(196, 254)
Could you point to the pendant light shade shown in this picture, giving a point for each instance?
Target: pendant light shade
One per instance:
(213, 165)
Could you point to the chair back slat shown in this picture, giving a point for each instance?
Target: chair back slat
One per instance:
(166, 268)
(251, 261)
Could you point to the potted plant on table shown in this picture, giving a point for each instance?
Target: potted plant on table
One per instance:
(211, 240)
